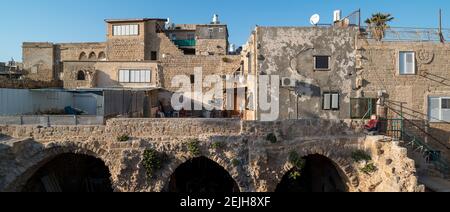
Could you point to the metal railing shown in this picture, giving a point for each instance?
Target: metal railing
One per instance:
(362, 108)
(430, 155)
(410, 34)
(184, 42)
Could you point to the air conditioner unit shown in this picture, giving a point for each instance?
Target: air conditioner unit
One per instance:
(288, 82)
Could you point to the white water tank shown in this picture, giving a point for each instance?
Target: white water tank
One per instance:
(337, 16)
(232, 48)
(215, 19)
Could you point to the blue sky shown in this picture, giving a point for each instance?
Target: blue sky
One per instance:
(82, 20)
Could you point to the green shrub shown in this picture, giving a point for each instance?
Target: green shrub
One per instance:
(369, 168)
(236, 162)
(217, 145)
(272, 138)
(123, 138)
(294, 175)
(152, 162)
(194, 147)
(361, 155)
(298, 163)
(296, 160)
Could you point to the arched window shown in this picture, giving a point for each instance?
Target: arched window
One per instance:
(102, 56)
(92, 56)
(83, 56)
(81, 76)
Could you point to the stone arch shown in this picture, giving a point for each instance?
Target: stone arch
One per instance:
(320, 174)
(225, 166)
(83, 56)
(102, 56)
(92, 56)
(30, 164)
(81, 76)
(342, 164)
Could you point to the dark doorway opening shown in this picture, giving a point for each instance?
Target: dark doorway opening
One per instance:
(71, 173)
(320, 174)
(201, 175)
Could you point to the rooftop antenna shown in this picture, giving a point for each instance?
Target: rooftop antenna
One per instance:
(315, 19)
(441, 35)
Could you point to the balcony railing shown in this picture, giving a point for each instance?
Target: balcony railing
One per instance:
(184, 42)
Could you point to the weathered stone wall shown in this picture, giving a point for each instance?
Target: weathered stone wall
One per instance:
(289, 52)
(38, 61)
(28, 84)
(378, 66)
(211, 47)
(126, 48)
(165, 46)
(75, 51)
(184, 65)
(262, 164)
(105, 74)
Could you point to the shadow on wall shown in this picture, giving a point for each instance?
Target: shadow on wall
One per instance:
(436, 78)
(306, 89)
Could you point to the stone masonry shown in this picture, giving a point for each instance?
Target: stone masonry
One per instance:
(262, 163)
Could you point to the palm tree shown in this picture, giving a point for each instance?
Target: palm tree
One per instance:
(378, 24)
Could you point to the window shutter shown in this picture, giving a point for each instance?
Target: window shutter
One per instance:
(409, 63)
(335, 101)
(434, 109)
(142, 77)
(327, 101)
(148, 76)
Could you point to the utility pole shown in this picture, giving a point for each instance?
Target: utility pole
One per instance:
(441, 35)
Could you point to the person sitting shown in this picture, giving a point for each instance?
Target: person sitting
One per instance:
(373, 126)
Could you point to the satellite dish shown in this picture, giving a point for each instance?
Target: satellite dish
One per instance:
(315, 19)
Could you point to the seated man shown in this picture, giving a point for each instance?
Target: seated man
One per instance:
(373, 126)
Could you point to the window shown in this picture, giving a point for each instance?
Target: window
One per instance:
(125, 30)
(81, 76)
(192, 79)
(445, 103)
(439, 109)
(154, 55)
(407, 63)
(321, 62)
(135, 76)
(331, 101)
(211, 32)
(191, 36)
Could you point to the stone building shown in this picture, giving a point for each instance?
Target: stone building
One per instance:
(315, 65)
(137, 54)
(412, 77)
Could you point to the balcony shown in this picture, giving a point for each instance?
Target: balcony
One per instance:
(184, 43)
